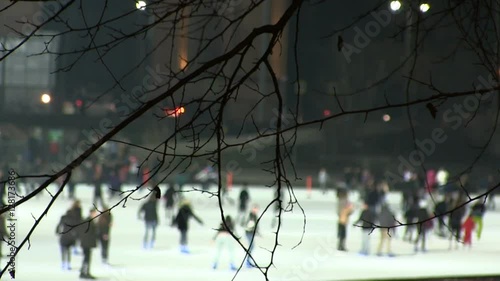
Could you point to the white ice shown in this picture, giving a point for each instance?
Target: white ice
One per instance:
(314, 259)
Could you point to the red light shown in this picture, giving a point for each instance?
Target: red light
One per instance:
(175, 112)
(327, 112)
(78, 103)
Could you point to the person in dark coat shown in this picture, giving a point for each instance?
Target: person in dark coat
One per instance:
(455, 221)
(243, 204)
(441, 208)
(67, 238)
(410, 217)
(366, 221)
(104, 223)
(149, 212)
(422, 228)
(98, 181)
(182, 221)
(88, 234)
(75, 212)
(251, 230)
(170, 198)
(387, 223)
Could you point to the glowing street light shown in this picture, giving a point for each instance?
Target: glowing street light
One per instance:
(395, 5)
(386, 117)
(140, 5)
(424, 7)
(45, 98)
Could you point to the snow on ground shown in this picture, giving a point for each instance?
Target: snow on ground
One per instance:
(315, 259)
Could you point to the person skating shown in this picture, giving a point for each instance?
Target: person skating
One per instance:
(477, 213)
(67, 238)
(88, 240)
(366, 221)
(182, 221)
(104, 223)
(224, 240)
(441, 208)
(455, 221)
(251, 230)
(468, 227)
(98, 181)
(149, 213)
(76, 217)
(322, 180)
(410, 217)
(170, 198)
(344, 211)
(243, 205)
(424, 227)
(387, 222)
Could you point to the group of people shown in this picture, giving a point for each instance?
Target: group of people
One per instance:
(456, 221)
(73, 230)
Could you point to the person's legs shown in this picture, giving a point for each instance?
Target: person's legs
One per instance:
(383, 233)
(341, 235)
(365, 242)
(85, 270)
(146, 234)
(153, 234)
(104, 249)
(64, 261)
(219, 246)
(251, 243)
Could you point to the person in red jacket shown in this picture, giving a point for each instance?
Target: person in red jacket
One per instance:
(467, 227)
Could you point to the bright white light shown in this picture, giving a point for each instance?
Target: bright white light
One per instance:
(45, 98)
(140, 5)
(424, 7)
(442, 177)
(395, 5)
(386, 117)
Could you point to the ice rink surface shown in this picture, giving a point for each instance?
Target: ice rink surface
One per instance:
(315, 258)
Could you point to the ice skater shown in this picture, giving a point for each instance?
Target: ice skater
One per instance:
(322, 180)
(251, 230)
(104, 223)
(243, 205)
(67, 238)
(344, 211)
(477, 213)
(170, 199)
(182, 221)
(455, 221)
(88, 240)
(410, 216)
(366, 219)
(76, 217)
(423, 227)
(149, 213)
(387, 223)
(224, 240)
(468, 227)
(98, 181)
